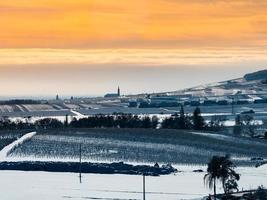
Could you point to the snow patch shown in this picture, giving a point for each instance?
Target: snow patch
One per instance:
(78, 114)
(4, 152)
(213, 135)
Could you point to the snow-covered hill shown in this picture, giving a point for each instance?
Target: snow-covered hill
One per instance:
(251, 84)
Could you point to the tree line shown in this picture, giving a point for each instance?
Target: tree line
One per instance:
(192, 122)
(120, 120)
(7, 124)
(97, 121)
(115, 121)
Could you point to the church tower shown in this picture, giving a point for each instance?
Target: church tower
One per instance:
(119, 92)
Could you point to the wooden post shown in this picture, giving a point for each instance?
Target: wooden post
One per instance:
(80, 167)
(144, 187)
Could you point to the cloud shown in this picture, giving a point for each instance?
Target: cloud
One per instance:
(131, 24)
(139, 57)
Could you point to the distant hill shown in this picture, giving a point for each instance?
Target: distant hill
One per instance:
(259, 75)
(252, 83)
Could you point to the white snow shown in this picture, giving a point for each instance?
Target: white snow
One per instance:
(34, 119)
(213, 135)
(58, 186)
(263, 168)
(78, 114)
(4, 152)
(232, 122)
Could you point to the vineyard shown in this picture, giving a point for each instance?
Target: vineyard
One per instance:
(138, 146)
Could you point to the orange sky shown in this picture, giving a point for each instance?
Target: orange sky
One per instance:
(143, 45)
(128, 23)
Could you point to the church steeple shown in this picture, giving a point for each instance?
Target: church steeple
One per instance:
(119, 91)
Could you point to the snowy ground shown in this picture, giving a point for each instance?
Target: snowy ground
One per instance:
(58, 186)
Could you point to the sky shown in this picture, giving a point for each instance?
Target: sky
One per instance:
(89, 47)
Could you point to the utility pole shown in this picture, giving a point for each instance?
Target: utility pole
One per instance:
(144, 187)
(80, 166)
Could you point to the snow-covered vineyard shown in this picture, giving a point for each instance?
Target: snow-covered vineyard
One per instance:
(137, 146)
(108, 146)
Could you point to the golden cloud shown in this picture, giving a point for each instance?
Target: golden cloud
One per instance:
(132, 24)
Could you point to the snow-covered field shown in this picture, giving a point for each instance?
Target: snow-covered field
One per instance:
(137, 146)
(16, 185)
(25, 108)
(186, 184)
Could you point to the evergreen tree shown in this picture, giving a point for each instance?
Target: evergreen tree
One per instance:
(238, 125)
(66, 122)
(182, 119)
(198, 120)
(146, 122)
(155, 121)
